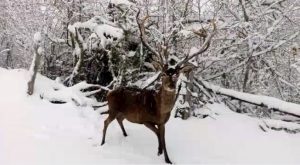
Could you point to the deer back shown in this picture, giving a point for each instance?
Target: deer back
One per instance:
(129, 100)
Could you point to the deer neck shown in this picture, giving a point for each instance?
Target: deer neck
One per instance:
(166, 99)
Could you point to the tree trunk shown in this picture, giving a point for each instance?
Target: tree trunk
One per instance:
(189, 97)
(33, 70)
(35, 62)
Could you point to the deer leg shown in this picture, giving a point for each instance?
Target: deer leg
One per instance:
(161, 129)
(120, 121)
(155, 130)
(109, 119)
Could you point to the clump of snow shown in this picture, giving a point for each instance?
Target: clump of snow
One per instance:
(37, 37)
(43, 8)
(131, 53)
(106, 31)
(34, 131)
(121, 2)
(185, 33)
(40, 50)
(193, 60)
(193, 50)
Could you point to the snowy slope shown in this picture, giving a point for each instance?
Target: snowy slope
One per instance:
(34, 131)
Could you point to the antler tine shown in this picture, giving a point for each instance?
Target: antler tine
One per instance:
(203, 48)
(141, 25)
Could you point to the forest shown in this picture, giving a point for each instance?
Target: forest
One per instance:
(226, 62)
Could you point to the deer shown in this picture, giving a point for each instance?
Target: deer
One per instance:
(149, 107)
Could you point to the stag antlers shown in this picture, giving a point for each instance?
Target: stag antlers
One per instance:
(204, 46)
(160, 58)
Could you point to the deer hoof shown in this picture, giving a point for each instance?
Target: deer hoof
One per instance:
(159, 152)
(102, 143)
(125, 134)
(168, 161)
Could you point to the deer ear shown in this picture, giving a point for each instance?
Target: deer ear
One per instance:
(156, 65)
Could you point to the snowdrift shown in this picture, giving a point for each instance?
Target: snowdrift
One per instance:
(35, 131)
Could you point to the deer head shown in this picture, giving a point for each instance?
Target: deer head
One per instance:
(169, 78)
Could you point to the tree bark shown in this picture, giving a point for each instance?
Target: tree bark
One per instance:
(33, 70)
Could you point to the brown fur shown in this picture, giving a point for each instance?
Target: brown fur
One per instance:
(146, 107)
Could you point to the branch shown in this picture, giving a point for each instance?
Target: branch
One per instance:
(279, 125)
(270, 48)
(78, 45)
(246, 17)
(151, 80)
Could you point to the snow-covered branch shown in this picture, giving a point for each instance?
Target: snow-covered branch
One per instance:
(278, 125)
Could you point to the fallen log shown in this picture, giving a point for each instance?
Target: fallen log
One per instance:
(259, 100)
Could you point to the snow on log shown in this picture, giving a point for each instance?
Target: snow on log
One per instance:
(266, 101)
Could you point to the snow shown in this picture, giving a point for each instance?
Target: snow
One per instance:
(68, 94)
(43, 8)
(3, 51)
(296, 65)
(40, 50)
(279, 125)
(130, 54)
(105, 30)
(193, 50)
(34, 131)
(108, 30)
(37, 38)
(121, 2)
(186, 33)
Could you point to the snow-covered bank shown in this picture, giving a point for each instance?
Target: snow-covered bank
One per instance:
(34, 131)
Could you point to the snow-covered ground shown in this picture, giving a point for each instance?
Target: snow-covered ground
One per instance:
(34, 131)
